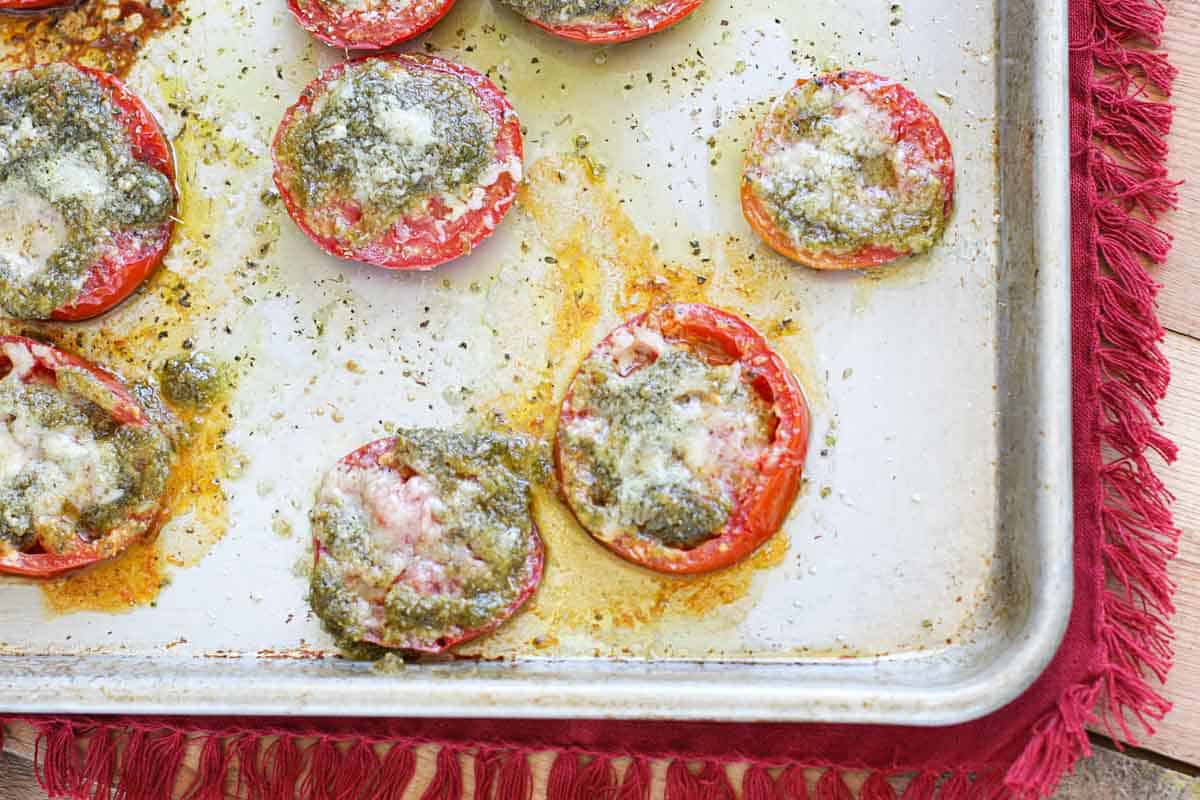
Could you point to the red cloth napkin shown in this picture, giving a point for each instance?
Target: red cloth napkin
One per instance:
(1118, 640)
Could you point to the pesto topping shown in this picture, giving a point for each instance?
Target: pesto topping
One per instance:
(567, 11)
(387, 139)
(662, 441)
(836, 179)
(432, 542)
(194, 380)
(382, 8)
(69, 473)
(68, 182)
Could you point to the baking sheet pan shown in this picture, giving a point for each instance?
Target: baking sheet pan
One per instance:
(924, 575)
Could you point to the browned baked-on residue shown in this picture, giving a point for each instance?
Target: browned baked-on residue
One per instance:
(627, 609)
(195, 491)
(603, 268)
(700, 594)
(299, 654)
(600, 261)
(105, 34)
(132, 579)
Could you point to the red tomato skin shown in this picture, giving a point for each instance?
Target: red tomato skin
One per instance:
(336, 32)
(35, 6)
(425, 246)
(368, 456)
(760, 509)
(116, 275)
(911, 120)
(649, 20)
(47, 361)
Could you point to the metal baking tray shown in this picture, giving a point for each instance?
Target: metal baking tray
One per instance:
(924, 575)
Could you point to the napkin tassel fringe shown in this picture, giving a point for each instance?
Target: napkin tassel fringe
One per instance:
(1131, 190)
(82, 763)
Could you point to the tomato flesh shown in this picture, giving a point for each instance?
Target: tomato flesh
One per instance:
(760, 507)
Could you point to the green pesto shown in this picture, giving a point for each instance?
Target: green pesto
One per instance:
(564, 11)
(484, 483)
(342, 149)
(909, 221)
(193, 380)
(73, 117)
(645, 418)
(139, 457)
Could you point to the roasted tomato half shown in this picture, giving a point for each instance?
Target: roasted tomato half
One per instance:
(399, 160)
(368, 24)
(426, 540)
(603, 21)
(848, 171)
(681, 439)
(83, 466)
(87, 192)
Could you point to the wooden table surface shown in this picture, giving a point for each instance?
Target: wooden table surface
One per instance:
(1178, 737)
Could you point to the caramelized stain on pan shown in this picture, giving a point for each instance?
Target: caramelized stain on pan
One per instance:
(105, 34)
(132, 579)
(603, 268)
(193, 503)
(195, 496)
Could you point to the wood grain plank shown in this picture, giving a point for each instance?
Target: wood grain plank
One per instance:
(1179, 301)
(1179, 735)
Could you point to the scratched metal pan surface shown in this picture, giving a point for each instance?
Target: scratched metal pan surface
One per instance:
(924, 574)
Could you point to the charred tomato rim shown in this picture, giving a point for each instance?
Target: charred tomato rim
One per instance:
(369, 456)
(467, 231)
(354, 32)
(651, 19)
(35, 6)
(759, 510)
(133, 255)
(47, 361)
(912, 122)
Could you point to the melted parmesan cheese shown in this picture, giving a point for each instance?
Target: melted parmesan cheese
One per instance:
(661, 441)
(411, 126)
(399, 517)
(474, 201)
(574, 11)
(31, 230)
(74, 176)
